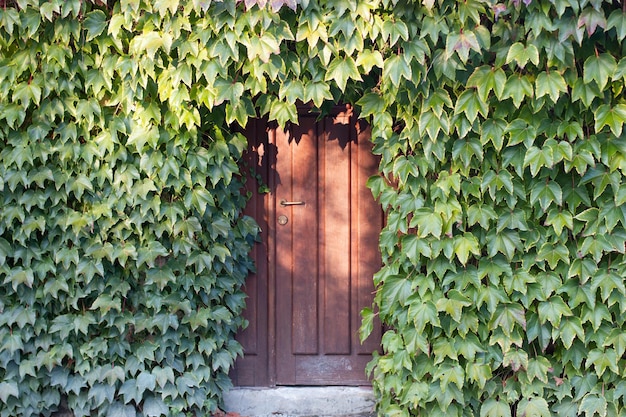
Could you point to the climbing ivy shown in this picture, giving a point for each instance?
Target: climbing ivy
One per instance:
(122, 242)
(500, 130)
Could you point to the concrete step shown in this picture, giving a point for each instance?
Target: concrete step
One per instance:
(301, 402)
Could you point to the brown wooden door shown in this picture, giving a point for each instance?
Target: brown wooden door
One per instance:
(318, 256)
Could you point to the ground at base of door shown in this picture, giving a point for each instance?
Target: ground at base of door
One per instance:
(300, 402)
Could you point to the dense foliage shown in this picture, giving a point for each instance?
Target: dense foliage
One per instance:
(122, 244)
(500, 131)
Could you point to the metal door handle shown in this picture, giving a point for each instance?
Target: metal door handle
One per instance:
(291, 203)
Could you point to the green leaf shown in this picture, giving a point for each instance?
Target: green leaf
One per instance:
(593, 404)
(464, 245)
(522, 54)
(470, 103)
(599, 68)
(546, 194)
(8, 389)
(95, 22)
(571, 328)
(538, 158)
(533, 407)
(506, 242)
(395, 68)
(283, 112)
(481, 214)
(517, 87)
(507, 316)
(591, 19)
(559, 219)
(487, 79)
(553, 311)
(118, 409)
(617, 21)
(423, 314)
(154, 407)
(428, 223)
(553, 253)
(550, 83)
(601, 359)
(145, 382)
(612, 116)
(462, 43)
(371, 104)
(396, 289)
(262, 47)
(105, 303)
(585, 92)
(341, 70)
(369, 59)
(317, 92)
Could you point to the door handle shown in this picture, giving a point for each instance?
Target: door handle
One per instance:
(291, 203)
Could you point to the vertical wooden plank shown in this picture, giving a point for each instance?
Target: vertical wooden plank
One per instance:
(337, 339)
(282, 261)
(370, 218)
(305, 236)
(252, 369)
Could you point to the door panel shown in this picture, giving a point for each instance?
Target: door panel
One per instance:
(317, 267)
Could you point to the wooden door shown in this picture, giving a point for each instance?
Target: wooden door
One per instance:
(318, 254)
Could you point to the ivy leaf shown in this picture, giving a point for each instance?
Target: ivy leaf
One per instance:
(262, 47)
(534, 407)
(591, 19)
(283, 112)
(118, 409)
(95, 22)
(341, 70)
(585, 92)
(462, 43)
(522, 54)
(464, 245)
(487, 79)
(481, 214)
(617, 21)
(145, 382)
(517, 87)
(395, 68)
(7, 389)
(546, 194)
(553, 310)
(317, 92)
(507, 316)
(537, 158)
(371, 104)
(154, 407)
(593, 404)
(571, 328)
(601, 359)
(553, 253)
(559, 219)
(470, 103)
(369, 59)
(428, 223)
(550, 83)
(599, 68)
(612, 116)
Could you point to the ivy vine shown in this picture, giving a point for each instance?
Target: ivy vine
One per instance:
(122, 242)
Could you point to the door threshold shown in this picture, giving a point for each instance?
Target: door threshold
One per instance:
(282, 401)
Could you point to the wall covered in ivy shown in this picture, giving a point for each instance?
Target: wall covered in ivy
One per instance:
(123, 247)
